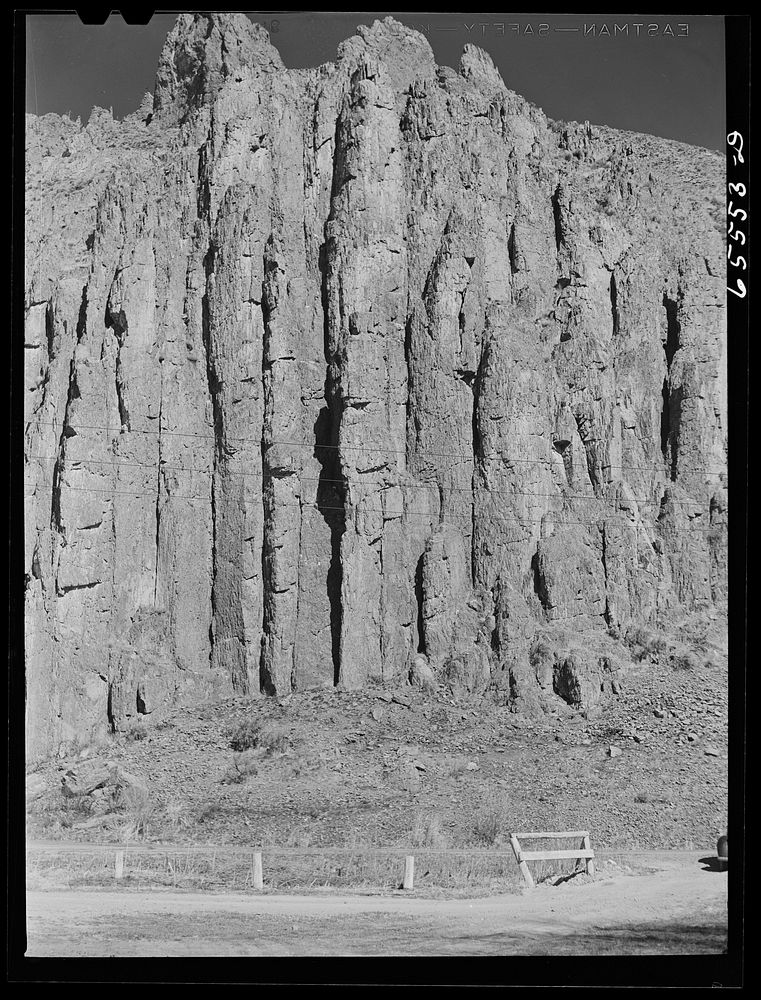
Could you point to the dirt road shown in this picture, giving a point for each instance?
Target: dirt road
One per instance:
(682, 910)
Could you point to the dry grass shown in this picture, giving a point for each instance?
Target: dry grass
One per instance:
(454, 767)
(299, 838)
(177, 815)
(427, 832)
(350, 870)
(646, 645)
(139, 811)
(274, 740)
(685, 661)
(490, 823)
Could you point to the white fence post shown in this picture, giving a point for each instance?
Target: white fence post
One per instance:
(258, 877)
(587, 845)
(409, 872)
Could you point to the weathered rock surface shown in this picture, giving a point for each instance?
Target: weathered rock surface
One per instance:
(89, 776)
(328, 368)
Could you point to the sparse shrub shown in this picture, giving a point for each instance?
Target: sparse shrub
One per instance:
(274, 740)
(701, 643)
(427, 832)
(540, 651)
(489, 823)
(135, 733)
(451, 768)
(646, 645)
(499, 689)
(250, 735)
(657, 648)
(139, 810)
(245, 736)
(177, 815)
(611, 733)
(684, 661)
(239, 770)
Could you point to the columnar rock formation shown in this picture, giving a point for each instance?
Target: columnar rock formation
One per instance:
(329, 368)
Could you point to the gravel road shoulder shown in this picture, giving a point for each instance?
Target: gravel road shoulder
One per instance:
(674, 911)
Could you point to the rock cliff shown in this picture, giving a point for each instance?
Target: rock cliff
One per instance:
(331, 369)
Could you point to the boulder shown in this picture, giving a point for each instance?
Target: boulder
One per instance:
(421, 673)
(467, 671)
(85, 777)
(126, 779)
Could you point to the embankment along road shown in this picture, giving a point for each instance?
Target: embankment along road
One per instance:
(678, 910)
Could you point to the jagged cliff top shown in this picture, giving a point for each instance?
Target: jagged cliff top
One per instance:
(204, 50)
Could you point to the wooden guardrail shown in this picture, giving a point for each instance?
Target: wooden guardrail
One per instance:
(121, 857)
(584, 851)
(257, 879)
(148, 849)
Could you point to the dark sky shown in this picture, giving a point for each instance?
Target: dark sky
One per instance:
(665, 84)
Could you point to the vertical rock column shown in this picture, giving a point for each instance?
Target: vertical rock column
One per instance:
(297, 555)
(366, 286)
(234, 335)
(162, 448)
(282, 466)
(316, 653)
(49, 342)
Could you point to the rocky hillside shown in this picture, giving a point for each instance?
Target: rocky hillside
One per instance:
(330, 768)
(343, 375)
